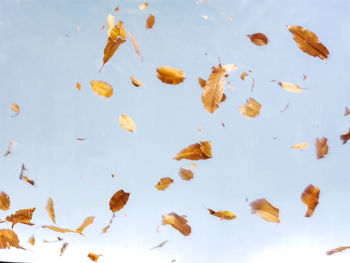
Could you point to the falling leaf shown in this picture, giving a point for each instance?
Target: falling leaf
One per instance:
(244, 75)
(23, 177)
(185, 174)
(102, 28)
(347, 111)
(110, 23)
(31, 240)
(88, 221)
(258, 39)
(197, 151)
(8, 238)
(170, 75)
(290, 87)
(164, 183)
(265, 210)
(58, 240)
(201, 82)
(300, 146)
(59, 229)
(160, 245)
(102, 88)
(229, 18)
(81, 139)
(143, 6)
(118, 201)
(4, 201)
(78, 86)
(136, 45)
(200, 128)
(63, 248)
(223, 124)
(345, 136)
(9, 148)
(50, 210)
(23, 216)
(177, 222)
(193, 165)
(116, 9)
(251, 108)
(227, 215)
(304, 77)
(321, 147)
(127, 123)
(135, 82)
(15, 108)
(336, 250)
(104, 230)
(310, 198)
(214, 89)
(150, 21)
(308, 42)
(93, 256)
(206, 17)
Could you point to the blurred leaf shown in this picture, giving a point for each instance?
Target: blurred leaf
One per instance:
(93, 256)
(290, 87)
(193, 165)
(8, 238)
(110, 23)
(301, 145)
(185, 174)
(251, 109)
(78, 86)
(50, 210)
(9, 148)
(258, 39)
(160, 245)
(170, 75)
(31, 240)
(336, 250)
(127, 123)
(23, 216)
(243, 75)
(4, 201)
(321, 147)
(88, 221)
(227, 215)
(136, 45)
(150, 21)
(177, 222)
(102, 88)
(116, 9)
(265, 210)
(164, 183)
(58, 229)
(197, 151)
(345, 136)
(118, 201)
(347, 111)
(15, 108)
(63, 248)
(310, 198)
(143, 6)
(135, 82)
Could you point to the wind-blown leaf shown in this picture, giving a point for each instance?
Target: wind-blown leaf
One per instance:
(186, 174)
(150, 21)
(118, 201)
(336, 250)
(8, 238)
(177, 222)
(227, 215)
(50, 210)
(170, 75)
(23, 216)
(59, 229)
(88, 221)
(265, 210)
(251, 109)
(164, 183)
(290, 87)
(127, 123)
(110, 23)
(321, 147)
(135, 82)
(258, 39)
(143, 6)
(93, 256)
(63, 248)
(300, 146)
(197, 151)
(136, 45)
(4, 201)
(102, 88)
(15, 108)
(31, 240)
(345, 136)
(310, 198)
(160, 245)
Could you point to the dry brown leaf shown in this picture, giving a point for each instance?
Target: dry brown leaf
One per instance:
(4, 201)
(63, 248)
(160, 245)
(104, 230)
(93, 256)
(345, 136)
(127, 123)
(78, 86)
(251, 109)
(102, 88)
(150, 21)
(164, 183)
(135, 82)
(59, 229)
(15, 108)
(347, 111)
(118, 201)
(170, 75)
(185, 174)
(136, 45)
(258, 39)
(227, 215)
(243, 75)
(8, 238)
(197, 151)
(193, 165)
(23, 216)
(50, 210)
(177, 222)
(310, 198)
(289, 87)
(336, 250)
(31, 240)
(9, 149)
(88, 221)
(214, 89)
(301, 145)
(116, 9)
(201, 82)
(143, 6)
(321, 147)
(308, 42)
(265, 210)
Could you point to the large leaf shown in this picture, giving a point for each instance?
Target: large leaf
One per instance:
(310, 198)
(265, 210)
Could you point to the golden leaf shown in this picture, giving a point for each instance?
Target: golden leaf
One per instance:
(177, 222)
(110, 48)
(160, 245)
(201, 82)
(78, 86)
(63, 248)
(118, 201)
(8, 238)
(244, 75)
(265, 210)
(127, 123)
(102, 88)
(308, 42)
(197, 151)
(31, 240)
(23, 216)
(345, 136)
(193, 165)
(347, 111)
(50, 210)
(321, 147)
(23, 177)
(227, 215)
(59, 229)
(301, 145)
(136, 45)
(164, 183)
(251, 109)
(150, 21)
(185, 174)
(88, 221)
(290, 87)
(135, 82)
(310, 198)
(214, 89)
(4, 201)
(258, 39)
(93, 256)
(170, 75)
(15, 108)
(336, 250)
(143, 6)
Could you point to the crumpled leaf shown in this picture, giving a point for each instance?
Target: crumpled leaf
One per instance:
(265, 210)
(243, 75)
(336, 250)
(50, 210)
(170, 75)
(4, 201)
(160, 245)
(164, 183)
(31, 240)
(136, 45)
(23, 177)
(214, 89)
(197, 151)
(102, 88)
(258, 39)
(64, 247)
(310, 198)
(300, 146)
(135, 82)
(9, 148)
(185, 174)
(177, 222)
(127, 123)
(321, 147)
(78, 86)
(308, 42)
(150, 21)
(290, 87)
(143, 6)
(23, 216)
(118, 201)
(88, 221)
(251, 109)
(8, 238)
(227, 215)
(93, 256)
(345, 136)
(15, 108)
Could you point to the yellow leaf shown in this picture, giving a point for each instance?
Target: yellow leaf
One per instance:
(164, 183)
(290, 87)
(8, 238)
(265, 210)
(227, 215)
(308, 42)
(135, 82)
(206, 148)
(110, 24)
(177, 222)
(4, 201)
(116, 9)
(301, 145)
(336, 250)
(143, 6)
(170, 75)
(118, 201)
(23, 216)
(127, 123)
(63, 248)
(321, 147)
(310, 198)
(193, 165)
(93, 256)
(31, 240)
(251, 109)
(102, 88)
(258, 39)
(197, 151)
(214, 89)
(78, 86)
(110, 48)
(185, 174)
(15, 108)
(201, 82)
(244, 75)
(50, 210)
(59, 229)
(122, 32)
(88, 221)
(150, 21)
(136, 45)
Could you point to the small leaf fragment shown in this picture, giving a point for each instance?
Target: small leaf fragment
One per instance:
(8, 238)
(118, 201)
(78, 86)
(135, 82)
(177, 222)
(227, 215)
(9, 148)
(321, 147)
(170, 75)
(102, 88)
(88, 221)
(290, 87)
(23, 216)
(110, 23)
(197, 151)
(243, 75)
(193, 165)
(160, 245)
(310, 198)
(63, 248)
(50, 210)
(116, 9)
(127, 123)
(265, 210)
(31, 240)
(15, 108)
(300, 146)
(345, 136)
(347, 111)
(143, 6)
(93, 256)
(136, 45)
(185, 174)
(336, 250)
(4, 201)
(164, 183)
(150, 21)
(251, 109)
(201, 82)
(258, 39)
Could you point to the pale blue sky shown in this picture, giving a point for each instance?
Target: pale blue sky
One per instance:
(40, 66)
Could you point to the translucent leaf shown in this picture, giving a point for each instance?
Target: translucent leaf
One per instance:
(265, 210)
(102, 88)
(177, 222)
(50, 210)
(290, 87)
(251, 109)
(127, 123)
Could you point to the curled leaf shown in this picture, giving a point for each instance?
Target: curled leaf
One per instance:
(4, 201)
(23, 216)
(8, 238)
(93, 256)
(258, 39)
(135, 82)
(310, 198)
(321, 147)
(227, 215)
(63, 248)
(150, 21)
(164, 183)
(185, 174)
(127, 123)
(290, 87)
(50, 210)
(118, 201)
(170, 75)
(88, 221)
(197, 151)
(251, 109)
(136, 45)
(345, 136)
(336, 250)
(177, 222)
(102, 88)
(265, 210)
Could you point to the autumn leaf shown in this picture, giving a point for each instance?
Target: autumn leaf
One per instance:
(177, 222)
(251, 109)
(321, 147)
(229, 68)
(185, 174)
(136, 45)
(347, 111)
(78, 86)
(258, 39)
(50, 210)
(127, 123)
(227, 215)
(300, 146)
(15, 108)
(9, 148)
(8, 238)
(88, 221)
(193, 165)
(201, 82)
(4, 201)
(243, 75)
(93, 256)
(150, 21)
(104, 230)
(59, 229)
(164, 183)
(308, 42)
(143, 6)
(336, 250)
(310, 198)
(345, 136)
(23, 216)
(102, 88)
(63, 248)
(160, 245)
(31, 240)
(135, 82)
(197, 151)
(118, 201)
(214, 89)
(170, 75)
(265, 210)
(110, 24)
(116, 9)
(289, 87)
